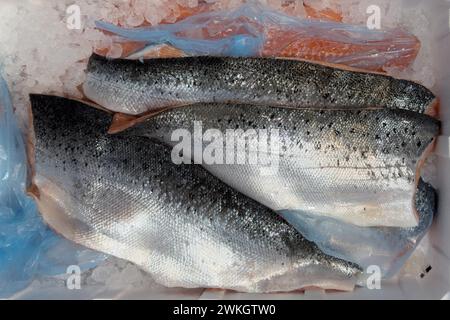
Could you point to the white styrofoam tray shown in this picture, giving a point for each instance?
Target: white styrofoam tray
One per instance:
(434, 285)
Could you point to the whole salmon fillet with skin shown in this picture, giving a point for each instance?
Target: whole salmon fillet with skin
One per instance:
(134, 87)
(357, 166)
(123, 195)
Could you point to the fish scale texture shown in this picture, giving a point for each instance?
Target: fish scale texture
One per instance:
(135, 87)
(123, 196)
(357, 166)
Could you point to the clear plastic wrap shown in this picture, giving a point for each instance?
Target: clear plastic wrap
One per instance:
(28, 248)
(252, 30)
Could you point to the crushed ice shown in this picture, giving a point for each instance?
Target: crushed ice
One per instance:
(40, 54)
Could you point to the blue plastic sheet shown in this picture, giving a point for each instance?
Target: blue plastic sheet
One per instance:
(28, 248)
(243, 44)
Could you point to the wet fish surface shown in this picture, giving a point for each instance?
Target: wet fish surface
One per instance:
(358, 166)
(122, 195)
(134, 87)
(386, 247)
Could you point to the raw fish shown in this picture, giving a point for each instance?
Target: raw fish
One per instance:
(123, 195)
(134, 87)
(357, 166)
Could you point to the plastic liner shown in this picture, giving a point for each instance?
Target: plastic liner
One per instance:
(253, 30)
(385, 247)
(28, 248)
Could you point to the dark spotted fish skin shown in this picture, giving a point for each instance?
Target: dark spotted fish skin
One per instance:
(135, 87)
(358, 166)
(122, 195)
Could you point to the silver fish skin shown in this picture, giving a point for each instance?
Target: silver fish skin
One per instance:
(134, 87)
(386, 247)
(357, 166)
(123, 196)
